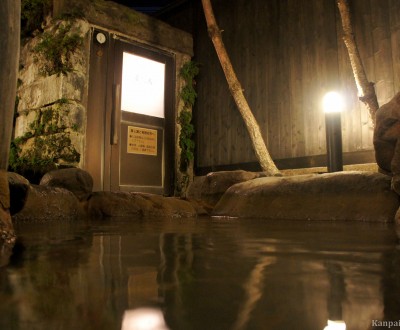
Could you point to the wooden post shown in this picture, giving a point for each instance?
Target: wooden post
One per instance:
(10, 12)
(10, 26)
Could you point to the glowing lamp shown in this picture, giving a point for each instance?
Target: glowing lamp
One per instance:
(333, 102)
(333, 105)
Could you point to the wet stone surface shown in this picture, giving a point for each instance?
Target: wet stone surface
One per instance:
(350, 196)
(343, 196)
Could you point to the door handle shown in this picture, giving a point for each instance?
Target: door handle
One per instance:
(115, 113)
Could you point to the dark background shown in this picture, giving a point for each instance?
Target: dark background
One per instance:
(152, 7)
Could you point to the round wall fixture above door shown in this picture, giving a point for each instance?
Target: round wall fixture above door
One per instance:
(101, 38)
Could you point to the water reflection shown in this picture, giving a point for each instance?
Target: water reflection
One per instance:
(143, 319)
(253, 288)
(201, 274)
(336, 296)
(335, 325)
(5, 252)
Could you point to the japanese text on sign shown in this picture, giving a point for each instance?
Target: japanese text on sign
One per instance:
(142, 141)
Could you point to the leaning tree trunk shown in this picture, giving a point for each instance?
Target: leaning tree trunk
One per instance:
(366, 90)
(263, 156)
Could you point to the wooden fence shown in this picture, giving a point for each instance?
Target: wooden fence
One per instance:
(287, 54)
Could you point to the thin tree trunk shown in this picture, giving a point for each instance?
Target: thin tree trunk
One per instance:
(263, 156)
(366, 90)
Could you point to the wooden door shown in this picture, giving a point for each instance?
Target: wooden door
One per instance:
(142, 120)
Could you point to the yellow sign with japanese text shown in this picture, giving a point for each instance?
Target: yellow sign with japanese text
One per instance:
(142, 141)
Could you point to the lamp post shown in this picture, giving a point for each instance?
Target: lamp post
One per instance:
(333, 105)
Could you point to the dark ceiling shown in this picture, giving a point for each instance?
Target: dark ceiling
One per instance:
(151, 7)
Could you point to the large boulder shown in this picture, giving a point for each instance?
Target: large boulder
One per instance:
(362, 196)
(75, 180)
(49, 203)
(386, 139)
(210, 188)
(19, 188)
(125, 204)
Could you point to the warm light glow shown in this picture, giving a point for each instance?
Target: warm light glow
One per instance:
(142, 86)
(143, 319)
(333, 102)
(335, 325)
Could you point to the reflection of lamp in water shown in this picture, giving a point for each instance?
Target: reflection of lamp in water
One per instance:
(335, 325)
(333, 105)
(336, 296)
(143, 319)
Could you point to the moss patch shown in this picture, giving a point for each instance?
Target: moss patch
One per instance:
(55, 49)
(188, 95)
(46, 145)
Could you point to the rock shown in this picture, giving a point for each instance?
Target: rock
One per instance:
(210, 188)
(75, 180)
(4, 190)
(386, 137)
(125, 204)
(19, 187)
(169, 207)
(202, 209)
(397, 221)
(7, 234)
(362, 196)
(49, 203)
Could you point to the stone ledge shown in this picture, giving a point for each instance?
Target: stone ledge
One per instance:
(48, 203)
(345, 196)
(209, 188)
(125, 204)
(119, 18)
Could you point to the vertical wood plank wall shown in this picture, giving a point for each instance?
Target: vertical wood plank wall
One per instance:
(287, 54)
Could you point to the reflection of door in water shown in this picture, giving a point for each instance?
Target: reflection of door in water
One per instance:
(142, 128)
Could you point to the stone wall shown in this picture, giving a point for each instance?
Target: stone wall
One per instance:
(51, 119)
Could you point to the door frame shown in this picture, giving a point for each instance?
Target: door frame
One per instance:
(113, 112)
(99, 116)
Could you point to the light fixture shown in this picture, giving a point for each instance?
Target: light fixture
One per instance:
(101, 38)
(333, 102)
(333, 105)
